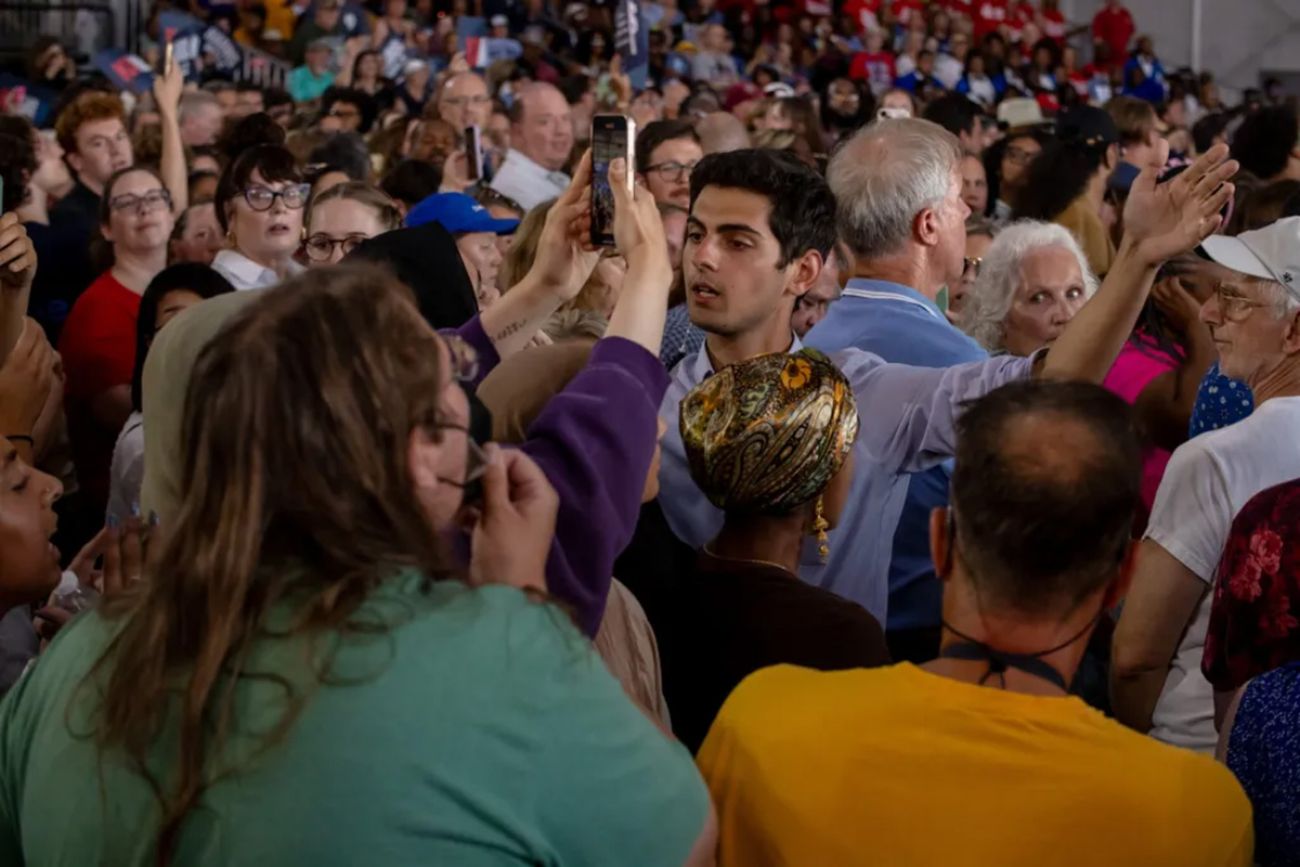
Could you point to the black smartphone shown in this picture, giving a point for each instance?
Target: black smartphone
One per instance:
(474, 153)
(612, 136)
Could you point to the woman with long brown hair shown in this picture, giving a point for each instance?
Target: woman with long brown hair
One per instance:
(304, 677)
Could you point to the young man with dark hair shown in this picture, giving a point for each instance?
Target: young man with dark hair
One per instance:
(961, 117)
(1033, 551)
(761, 224)
(666, 154)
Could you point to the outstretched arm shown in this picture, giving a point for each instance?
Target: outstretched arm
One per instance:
(1161, 221)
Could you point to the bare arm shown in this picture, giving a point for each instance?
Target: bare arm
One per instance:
(565, 259)
(1157, 611)
(639, 232)
(1161, 221)
(167, 93)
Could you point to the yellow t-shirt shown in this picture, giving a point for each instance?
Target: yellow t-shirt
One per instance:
(897, 766)
(1091, 233)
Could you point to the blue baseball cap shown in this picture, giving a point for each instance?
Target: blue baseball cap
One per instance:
(457, 213)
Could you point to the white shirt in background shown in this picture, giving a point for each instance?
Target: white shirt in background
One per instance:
(244, 273)
(527, 182)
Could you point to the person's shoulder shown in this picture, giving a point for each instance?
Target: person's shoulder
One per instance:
(772, 693)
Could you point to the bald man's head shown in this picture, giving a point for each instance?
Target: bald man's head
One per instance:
(542, 125)
(1043, 495)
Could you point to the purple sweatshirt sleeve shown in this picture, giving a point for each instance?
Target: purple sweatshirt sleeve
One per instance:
(595, 440)
(472, 333)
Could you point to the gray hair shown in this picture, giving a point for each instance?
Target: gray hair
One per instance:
(990, 299)
(191, 103)
(884, 176)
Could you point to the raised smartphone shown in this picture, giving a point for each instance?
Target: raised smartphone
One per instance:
(474, 153)
(612, 136)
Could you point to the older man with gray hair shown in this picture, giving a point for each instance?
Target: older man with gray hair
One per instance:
(897, 186)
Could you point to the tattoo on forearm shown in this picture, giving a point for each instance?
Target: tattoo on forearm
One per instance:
(509, 330)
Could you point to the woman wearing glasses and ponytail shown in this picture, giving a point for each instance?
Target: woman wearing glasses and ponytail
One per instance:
(260, 200)
(98, 339)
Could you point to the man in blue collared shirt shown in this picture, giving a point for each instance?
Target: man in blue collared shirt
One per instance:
(889, 308)
(761, 224)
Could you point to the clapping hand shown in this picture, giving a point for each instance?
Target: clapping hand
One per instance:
(17, 254)
(1164, 220)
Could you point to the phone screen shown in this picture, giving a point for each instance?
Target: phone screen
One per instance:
(609, 141)
(474, 153)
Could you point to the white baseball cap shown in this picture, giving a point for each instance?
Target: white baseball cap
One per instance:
(1270, 253)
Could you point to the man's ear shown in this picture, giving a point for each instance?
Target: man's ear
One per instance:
(802, 273)
(1291, 340)
(75, 162)
(925, 227)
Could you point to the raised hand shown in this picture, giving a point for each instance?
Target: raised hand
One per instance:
(17, 254)
(167, 89)
(565, 255)
(1164, 220)
(638, 228)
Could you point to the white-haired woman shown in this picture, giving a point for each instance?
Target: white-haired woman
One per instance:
(1032, 281)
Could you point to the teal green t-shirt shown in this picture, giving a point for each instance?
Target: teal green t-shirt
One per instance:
(482, 729)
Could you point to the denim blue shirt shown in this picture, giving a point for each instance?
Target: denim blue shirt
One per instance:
(908, 416)
(903, 326)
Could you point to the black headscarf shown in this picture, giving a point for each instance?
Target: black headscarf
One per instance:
(425, 258)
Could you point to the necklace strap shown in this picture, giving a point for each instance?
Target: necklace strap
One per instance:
(973, 650)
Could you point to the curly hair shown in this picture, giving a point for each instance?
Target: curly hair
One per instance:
(90, 106)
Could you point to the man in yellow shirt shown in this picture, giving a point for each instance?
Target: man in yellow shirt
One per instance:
(981, 757)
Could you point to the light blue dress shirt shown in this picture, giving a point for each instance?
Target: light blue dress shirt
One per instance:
(903, 326)
(908, 418)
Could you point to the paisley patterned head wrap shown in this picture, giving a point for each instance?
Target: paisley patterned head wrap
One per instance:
(768, 434)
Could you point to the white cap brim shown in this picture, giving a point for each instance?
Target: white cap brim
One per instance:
(1235, 255)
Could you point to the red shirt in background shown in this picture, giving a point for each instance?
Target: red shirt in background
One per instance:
(1115, 28)
(1054, 26)
(1018, 16)
(989, 16)
(98, 349)
(865, 12)
(960, 7)
(874, 67)
(904, 10)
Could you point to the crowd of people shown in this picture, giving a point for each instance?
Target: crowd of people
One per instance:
(911, 481)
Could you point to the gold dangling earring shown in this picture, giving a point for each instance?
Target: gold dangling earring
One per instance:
(820, 526)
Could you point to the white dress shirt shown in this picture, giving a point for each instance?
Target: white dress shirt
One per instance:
(244, 273)
(527, 182)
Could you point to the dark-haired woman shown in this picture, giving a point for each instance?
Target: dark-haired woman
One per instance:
(1066, 183)
(98, 339)
(1162, 364)
(175, 289)
(260, 201)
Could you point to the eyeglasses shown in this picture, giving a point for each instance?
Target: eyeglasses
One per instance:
(321, 246)
(1020, 156)
(262, 198)
(672, 171)
(476, 461)
(462, 101)
(971, 267)
(1234, 307)
(464, 359)
(154, 200)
